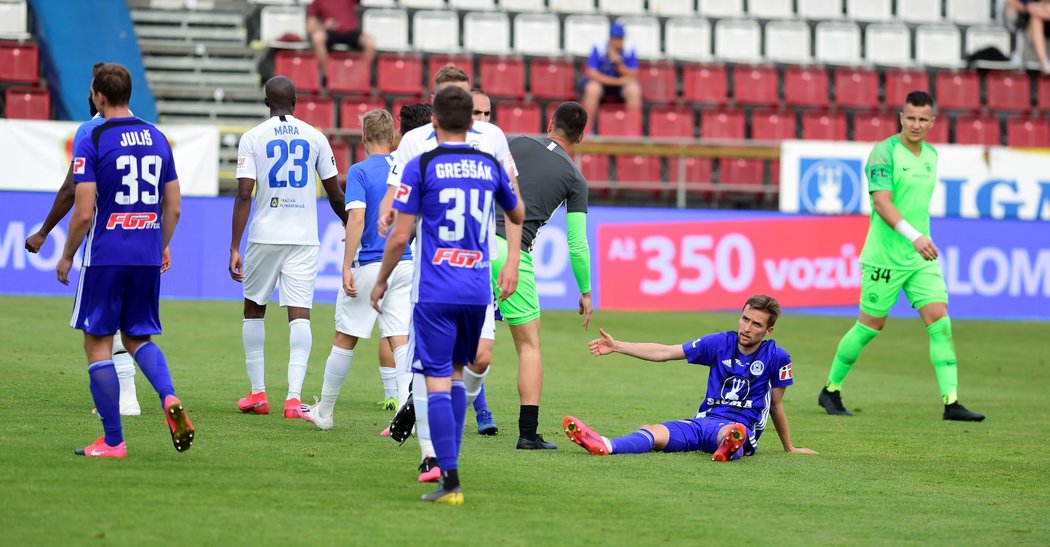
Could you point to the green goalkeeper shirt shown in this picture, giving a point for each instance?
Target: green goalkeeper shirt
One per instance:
(892, 167)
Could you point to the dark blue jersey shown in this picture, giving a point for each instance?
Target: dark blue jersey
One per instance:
(130, 161)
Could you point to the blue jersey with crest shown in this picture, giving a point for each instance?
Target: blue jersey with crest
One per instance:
(451, 190)
(739, 387)
(130, 161)
(365, 189)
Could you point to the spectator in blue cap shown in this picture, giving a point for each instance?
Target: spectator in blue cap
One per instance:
(612, 75)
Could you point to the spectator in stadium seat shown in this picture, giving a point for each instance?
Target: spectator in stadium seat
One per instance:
(612, 73)
(1035, 15)
(331, 22)
(482, 106)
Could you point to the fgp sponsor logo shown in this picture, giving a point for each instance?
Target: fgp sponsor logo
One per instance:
(402, 193)
(459, 258)
(133, 221)
(829, 185)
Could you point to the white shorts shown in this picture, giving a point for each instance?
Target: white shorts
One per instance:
(292, 268)
(488, 329)
(356, 317)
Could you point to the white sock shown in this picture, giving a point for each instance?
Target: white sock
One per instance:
(419, 396)
(404, 373)
(335, 371)
(299, 341)
(472, 382)
(389, 377)
(253, 332)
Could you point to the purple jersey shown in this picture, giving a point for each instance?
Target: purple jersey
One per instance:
(451, 190)
(130, 161)
(739, 386)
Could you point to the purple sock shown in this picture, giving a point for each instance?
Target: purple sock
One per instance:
(639, 442)
(153, 365)
(479, 402)
(442, 429)
(459, 409)
(105, 390)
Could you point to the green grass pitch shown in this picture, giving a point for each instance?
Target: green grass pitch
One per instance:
(895, 473)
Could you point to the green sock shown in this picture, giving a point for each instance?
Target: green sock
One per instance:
(847, 353)
(942, 355)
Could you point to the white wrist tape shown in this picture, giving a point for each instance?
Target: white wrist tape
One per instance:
(907, 230)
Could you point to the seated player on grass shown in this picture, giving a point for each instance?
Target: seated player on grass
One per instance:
(745, 387)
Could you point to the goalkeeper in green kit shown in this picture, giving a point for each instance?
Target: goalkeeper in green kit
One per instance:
(900, 254)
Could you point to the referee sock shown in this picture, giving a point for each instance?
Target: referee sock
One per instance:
(253, 333)
(942, 355)
(528, 420)
(155, 368)
(850, 346)
(639, 442)
(105, 391)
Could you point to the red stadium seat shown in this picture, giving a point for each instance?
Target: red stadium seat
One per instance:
(615, 120)
(28, 103)
(552, 79)
(341, 151)
(315, 110)
(724, 124)
(874, 126)
(856, 88)
(300, 67)
(773, 125)
(595, 168)
(697, 171)
(1043, 95)
(503, 77)
(352, 107)
(671, 121)
(741, 171)
(438, 60)
(400, 74)
(977, 130)
(1028, 132)
(755, 85)
(828, 126)
(359, 153)
(19, 62)
(518, 118)
(901, 82)
(659, 81)
(958, 90)
(805, 86)
(641, 172)
(939, 132)
(1009, 91)
(704, 84)
(348, 73)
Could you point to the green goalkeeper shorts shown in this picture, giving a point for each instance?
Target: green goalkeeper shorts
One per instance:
(524, 305)
(880, 287)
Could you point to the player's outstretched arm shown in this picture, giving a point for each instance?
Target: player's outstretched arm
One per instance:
(882, 202)
(399, 237)
(59, 209)
(780, 421)
(355, 226)
(641, 350)
(170, 211)
(79, 222)
(336, 198)
(242, 207)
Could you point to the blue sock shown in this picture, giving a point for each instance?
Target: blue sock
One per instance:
(155, 368)
(105, 390)
(442, 432)
(479, 402)
(639, 442)
(459, 409)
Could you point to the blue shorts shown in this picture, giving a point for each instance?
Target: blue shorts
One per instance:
(443, 335)
(701, 434)
(112, 298)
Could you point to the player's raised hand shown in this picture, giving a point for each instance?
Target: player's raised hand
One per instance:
(348, 283)
(165, 260)
(604, 345)
(926, 248)
(795, 450)
(586, 309)
(508, 280)
(63, 268)
(35, 242)
(377, 295)
(236, 266)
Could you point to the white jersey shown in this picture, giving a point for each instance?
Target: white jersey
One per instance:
(285, 156)
(483, 135)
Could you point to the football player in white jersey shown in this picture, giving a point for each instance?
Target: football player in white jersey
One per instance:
(485, 137)
(284, 156)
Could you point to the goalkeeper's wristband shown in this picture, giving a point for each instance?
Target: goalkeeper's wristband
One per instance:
(907, 230)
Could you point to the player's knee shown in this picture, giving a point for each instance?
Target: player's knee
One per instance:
(593, 89)
(344, 341)
(482, 360)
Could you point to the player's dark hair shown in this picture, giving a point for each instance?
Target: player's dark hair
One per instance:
(113, 81)
(919, 98)
(767, 304)
(450, 74)
(453, 109)
(570, 119)
(412, 116)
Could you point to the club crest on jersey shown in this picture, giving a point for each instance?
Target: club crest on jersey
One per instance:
(459, 258)
(274, 203)
(785, 372)
(132, 221)
(757, 367)
(78, 166)
(402, 193)
(734, 392)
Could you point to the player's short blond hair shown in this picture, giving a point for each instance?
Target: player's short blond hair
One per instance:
(450, 74)
(377, 126)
